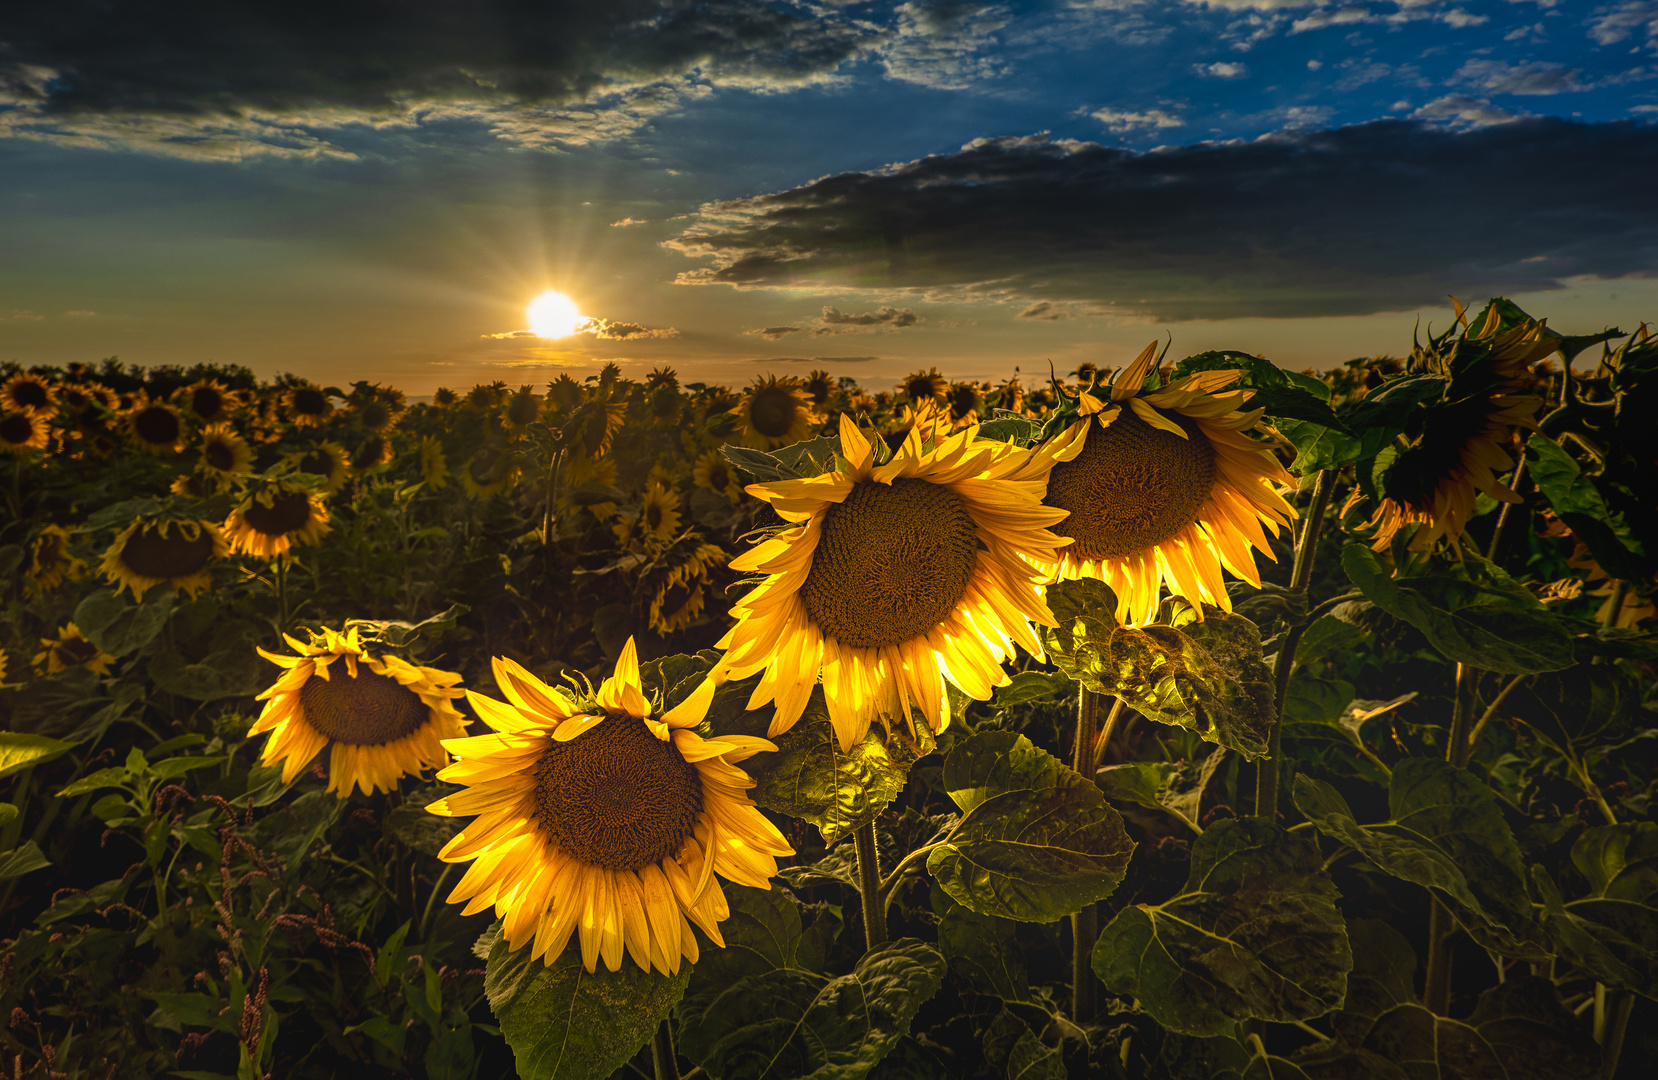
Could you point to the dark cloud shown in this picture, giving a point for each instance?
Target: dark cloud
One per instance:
(1045, 311)
(774, 333)
(1381, 216)
(836, 321)
(605, 330)
(816, 359)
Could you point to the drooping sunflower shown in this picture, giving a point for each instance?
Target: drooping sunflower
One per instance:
(565, 393)
(50, 561)
(658, 519)
(1462, 445)
(1165, 486)
(200, 484)
(374, 451)
(306, 404)
(434, 466)
(224, 452)
(593, 425)
(29, 393)
(924, 386)
(681, 592)
(150, 553)
(774, 412)
(70, 649)
(715, 473)
(966, 403)
(894, 578)
(21, 432)
(328, 460)
(154, 426)
(274, 518)
(209, 401)
(384, 717)
(492, 469)
(598, 820)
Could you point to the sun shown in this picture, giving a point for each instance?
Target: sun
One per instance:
(554, 315)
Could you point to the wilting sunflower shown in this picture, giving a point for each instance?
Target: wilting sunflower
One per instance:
(21, 432)
(680, 593)
(384, 717)
(328, 460)
(492, 469)
(50, 562)
(150, 553)
(201, 484)
(894, 578)
(306, 404)
(29, 393)
(434, 466)
(1436, 477)
(924, 386)
(1165, 487)
(274, 518)
(224, 452)
(658, 519)
(209, 401)
(155, 426)
(715, 473)
(773, 413)
(596, 819)
(592, 426)
(70, 649)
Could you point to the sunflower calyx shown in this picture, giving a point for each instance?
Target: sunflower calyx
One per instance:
(400, 634)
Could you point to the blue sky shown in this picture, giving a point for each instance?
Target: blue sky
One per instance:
(370, 189)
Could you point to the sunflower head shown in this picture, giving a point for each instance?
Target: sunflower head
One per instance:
(70, 649)
(966, 403)
(658, 520)
(598, 819)
(662, 376)
(434, 465)
(714, 472)
(375, 407)
(150, 553)
(209, 401)
(593, 425)
(443, 397)
(21, 432)
(820, 386)
(328, 460)
(29, 393)
(774, 412)
(224, 452)
(663, 404)
(492, 469)
(155, 427)
(306, 404)
(382, 717)
(200, 484)
(374, 451)
(922, 386)
(680, 591)
(486, 395)
(274, 517)
(1011, 395)
(523, 408)
(565, 393)
(50, 561)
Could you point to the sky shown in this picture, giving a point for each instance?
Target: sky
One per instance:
(377, 189)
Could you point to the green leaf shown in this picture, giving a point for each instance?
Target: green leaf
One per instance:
(565, 1022)
(1582, 707)
(790, 1023)
(1012, 1048)
(1578, 503)
(1613, 931)
(414, 828)
(236, 671)
(765, 468)
(111, 777)
(8, 814)
(982, 950)
(119, 627)
(1038, 841)
(1162, 785)
(1206, 676)
(21, 750)
(1483, 620)
(20, 860)
(1254, 934)
(1029, 686)
(175, 767)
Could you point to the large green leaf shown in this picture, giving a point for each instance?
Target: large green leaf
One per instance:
(567, 1023)
(1577, 502)
(788, 1023)
(1206, 676)
(1481, 618)
(118, 626)
(1037, 841)
(1583, 707)
(21, 860)
(1613, 931)
(982, 950)
(1176, 789)
(20, 750)
(1254, 933)
(1013, 1050)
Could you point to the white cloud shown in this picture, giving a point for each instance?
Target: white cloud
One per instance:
(1314, 65)
(1462, 111)
(944, 43)
(1222, 69)
(1531, 79)
(1122, 120)
(628, 221)
(1342, 16)
(1624, 20)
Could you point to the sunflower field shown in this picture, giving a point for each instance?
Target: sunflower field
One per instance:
(1194, 718)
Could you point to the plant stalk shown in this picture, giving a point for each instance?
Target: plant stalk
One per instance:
(1507, 511)
(1612, 1048)
(869, 887)
(663, 1055)
(1436, 987)
(1085, 924)
(1458, 747)
(1306, 545)
(1104, 739)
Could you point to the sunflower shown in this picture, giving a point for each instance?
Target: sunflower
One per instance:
(306, 404)
(523, 409)
(713, 472)
(434, 466)
(966, 403)
(275, 518)
(1435, 479)
(374, 451)
(492, 469)
(70, 649)
(4, 663)
(224, 452)
(29, 393)
(664, 405)
(928, 386)
(385, 717)
(328, 460)
(565, 393)
(820, 387)
(155, 426)
(658, 518)
(376, 407)
(144, 555)
(593, 425)
(598, 820)
(209, 401)
(893, 578)
(1010, 395)
(21, 432)
(443, 397)
(200, 484)
(1165, 486)
(773, 413)
(486, 395)
(50, 562)
(679, 596)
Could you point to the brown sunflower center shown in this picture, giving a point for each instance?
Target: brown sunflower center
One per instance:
(772, 411)
(288, 512)
(653, 516)
(30, 395)
(152, 553)
(522, 409)
(220, 455)
(75, 651)
(719, 477)
(207, 402)
(317, 463)
(1133, 486)
(157, 426)
(370, 710)
(892, 562)
(665, 402)
(309, 401)
(616, 796)
(16, 429)
(369, 455)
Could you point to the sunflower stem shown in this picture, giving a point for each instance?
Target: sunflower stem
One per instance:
(1306, 545)
(1085, 923)
(1520, 477)
(869, 887)
(1436, 987)
(282, 593)
(663, 1055)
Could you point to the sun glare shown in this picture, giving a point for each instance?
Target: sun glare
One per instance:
(554, 315)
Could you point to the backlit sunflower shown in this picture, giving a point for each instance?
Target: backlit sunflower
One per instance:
(328, 460)
(50, 562)
(593, 425)
(443, 397)
(820, 386)
(679, 595)
(306, 404)
(663, 404)
(274, 518)
(774, 412)
(492, 469)
(21, 432)
(155, 426)
(150, 553)
(224, 452)
(565, 394)
(1438, 474)
(924, 386)
(658, 519)
(966, 403)
(384, 717)
(523, 409)
(434, 466)
(29, 393)
(375, 407)
(209, 401)
(374, 451)
(715, 473)
(1165, 486)
(70, 649)
(596, 819)
(894, 578)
